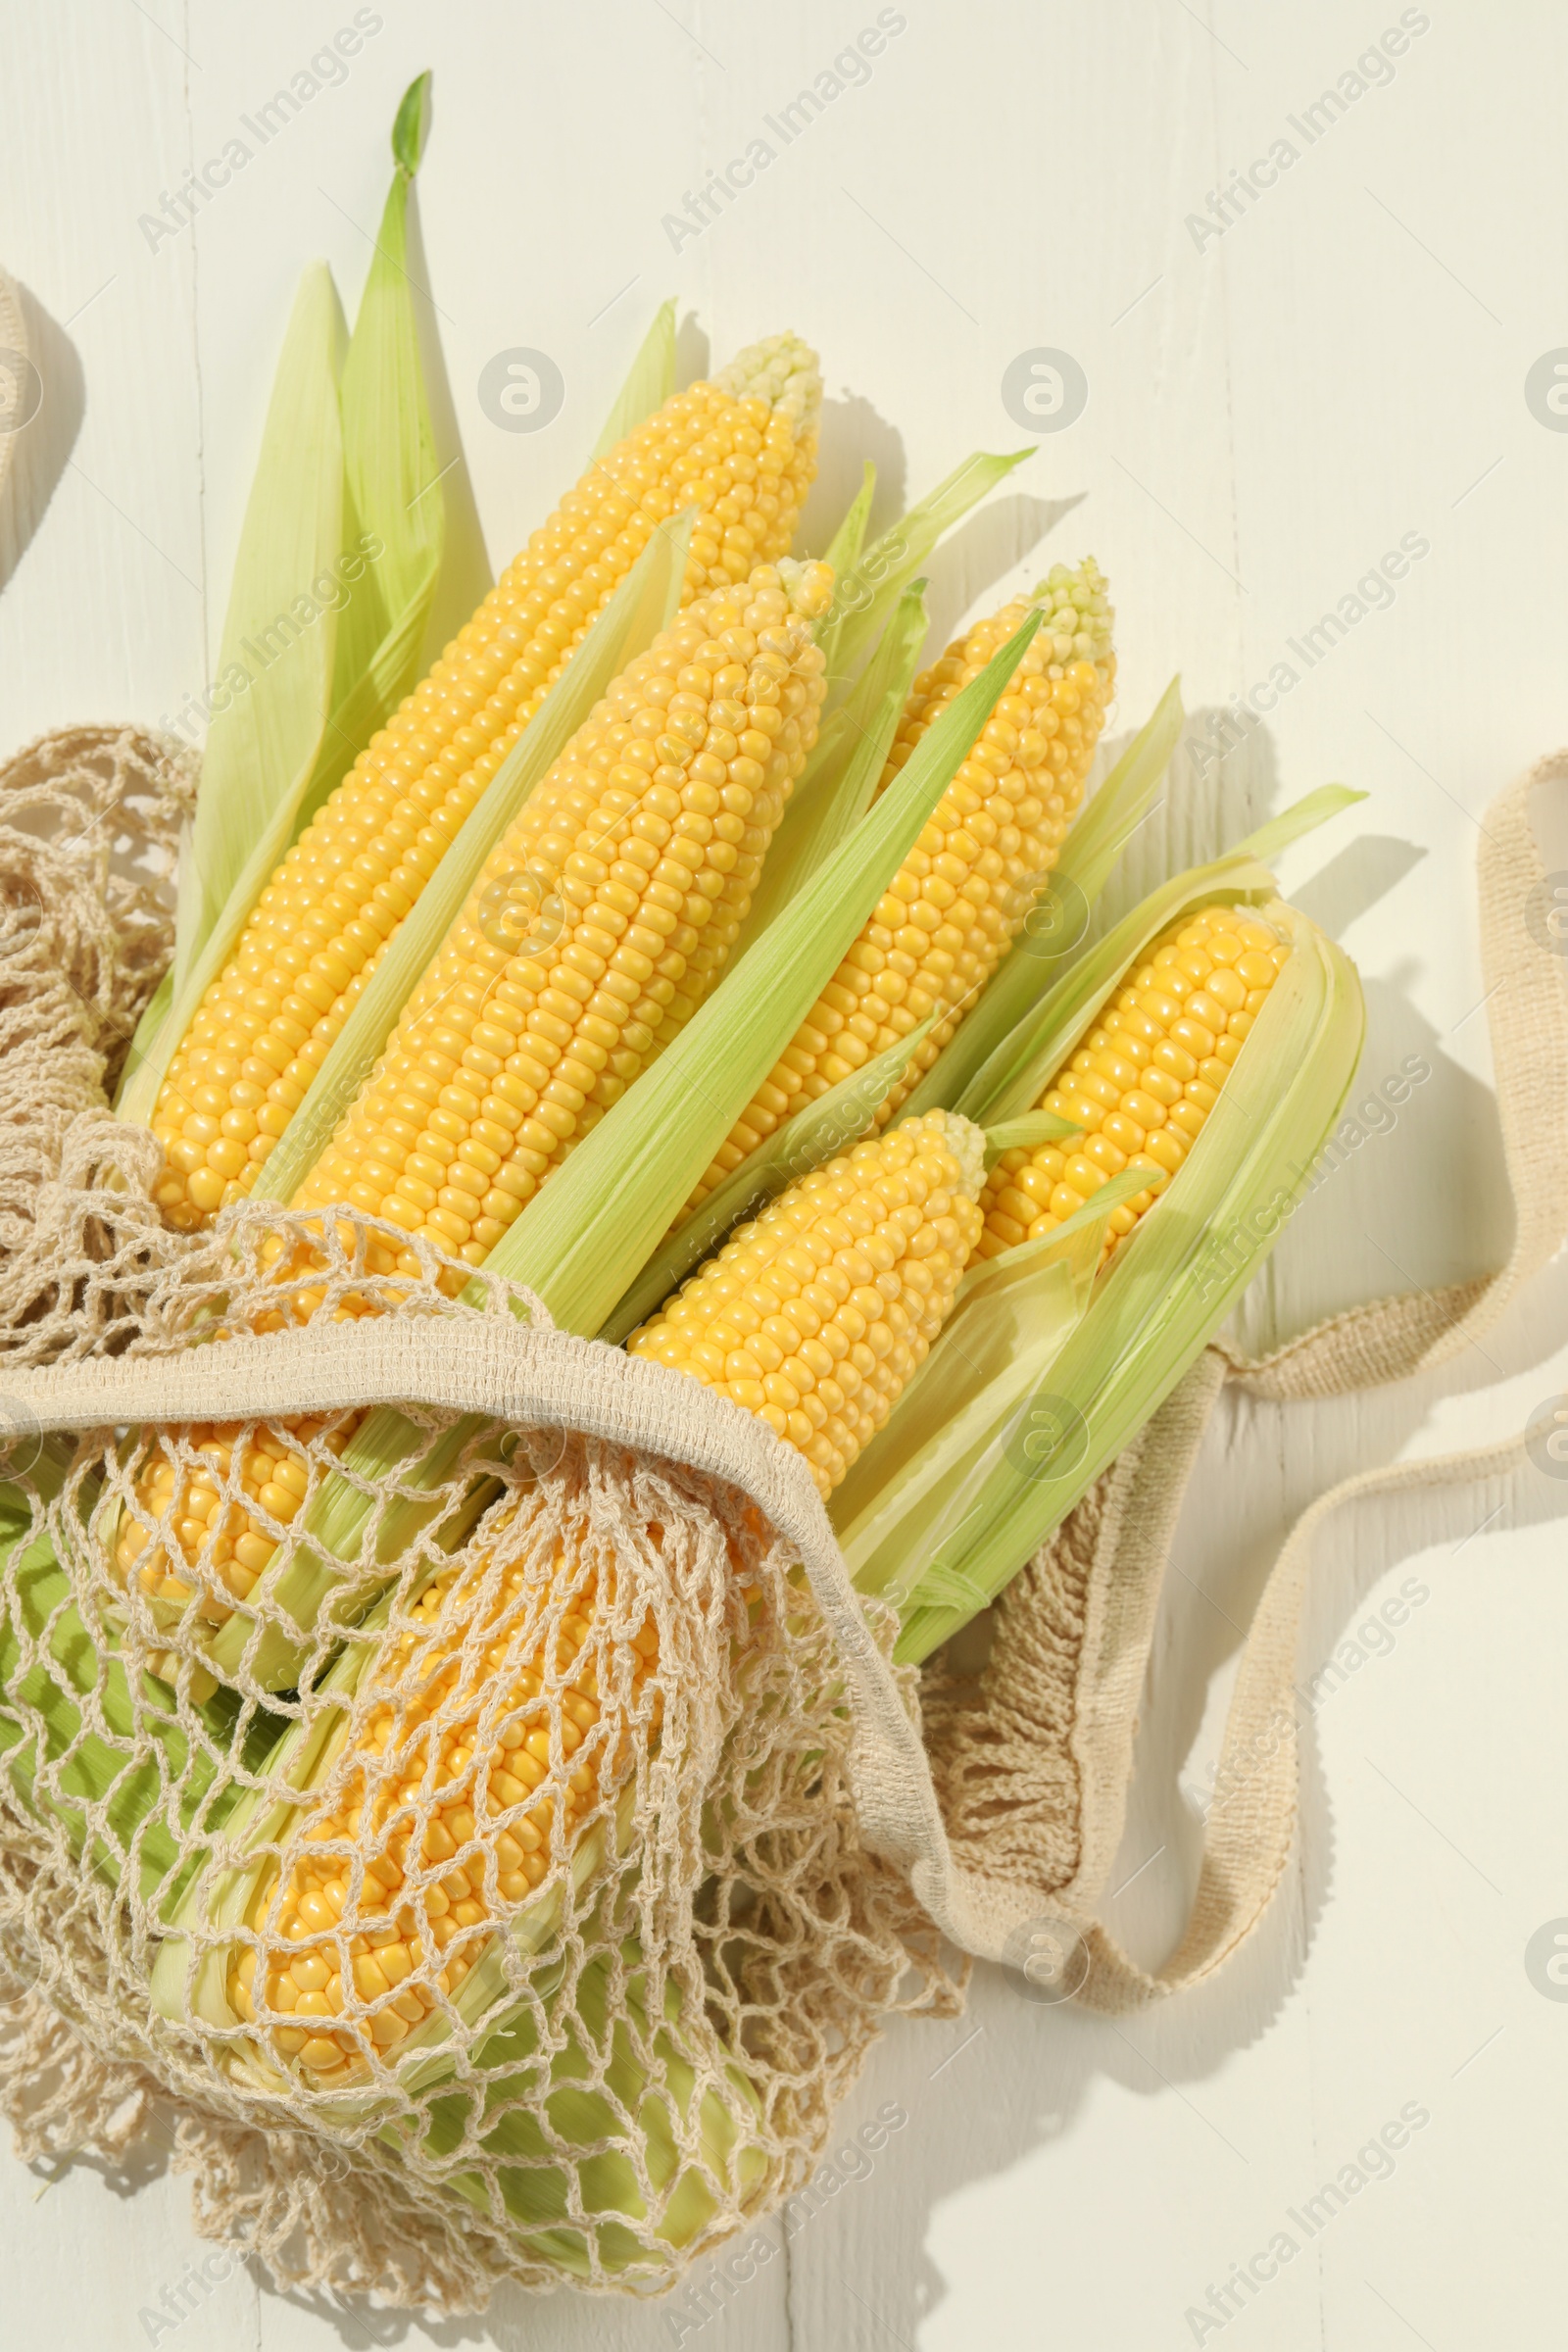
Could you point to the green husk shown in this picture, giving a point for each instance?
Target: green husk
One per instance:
(646, 1156)
(844, 549)
(50, 1666)
(1175, 1279)
(393, 493)
(263, 744)
(840, 779)
(1094, 842)
(921, 1484)
(815, 1136)
(1022, 1135)
(865, 596)
(349, 462)
(642, 606)
(1101, 830)
(649, 381)
(536, 2196)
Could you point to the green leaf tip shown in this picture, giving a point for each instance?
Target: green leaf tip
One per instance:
(411, 127)
(649, 383)
(844, 548)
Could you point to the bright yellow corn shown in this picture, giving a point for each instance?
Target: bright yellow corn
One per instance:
(1144, 1081)
(593, 932)
(267, 1472)
(486, 1840)
(623, 882)
(965, 890)
(742, 450)
(813, 1317)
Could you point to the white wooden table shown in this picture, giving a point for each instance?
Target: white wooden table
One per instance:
(1271, 409)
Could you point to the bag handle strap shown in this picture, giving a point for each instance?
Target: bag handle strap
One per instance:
(1251, 1824)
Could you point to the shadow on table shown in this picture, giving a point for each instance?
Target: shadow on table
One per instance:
(852, 430)
(988, 544)
(1013, 2079)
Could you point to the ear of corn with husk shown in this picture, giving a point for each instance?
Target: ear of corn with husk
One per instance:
(279, 976)
(414, 1906)
(642, 606)
(644, 844)
(850, 1105)
(964, 889)
(1187, 1128)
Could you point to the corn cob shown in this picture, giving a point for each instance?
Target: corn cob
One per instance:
(839, 1287)
(1142, 1085)
(815, 1316)
(1058, 1358)
(397, 1942)
(643, 845)
(502, 1060)
(196, 1512)
(741, 450)
(964, 893)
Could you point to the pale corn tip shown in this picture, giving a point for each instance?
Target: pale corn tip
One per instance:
(808, 585)
(1143, 1084)
(781, 371)
(968, 1144)
(963, 892)
(1077, 616)
(815, 1316)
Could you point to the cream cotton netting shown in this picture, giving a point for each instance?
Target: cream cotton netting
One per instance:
(767, 1857)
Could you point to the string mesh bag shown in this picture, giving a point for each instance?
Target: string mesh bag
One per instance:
(506, 1879)
(554, 1830)
(558, 1656)
(90, 821)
